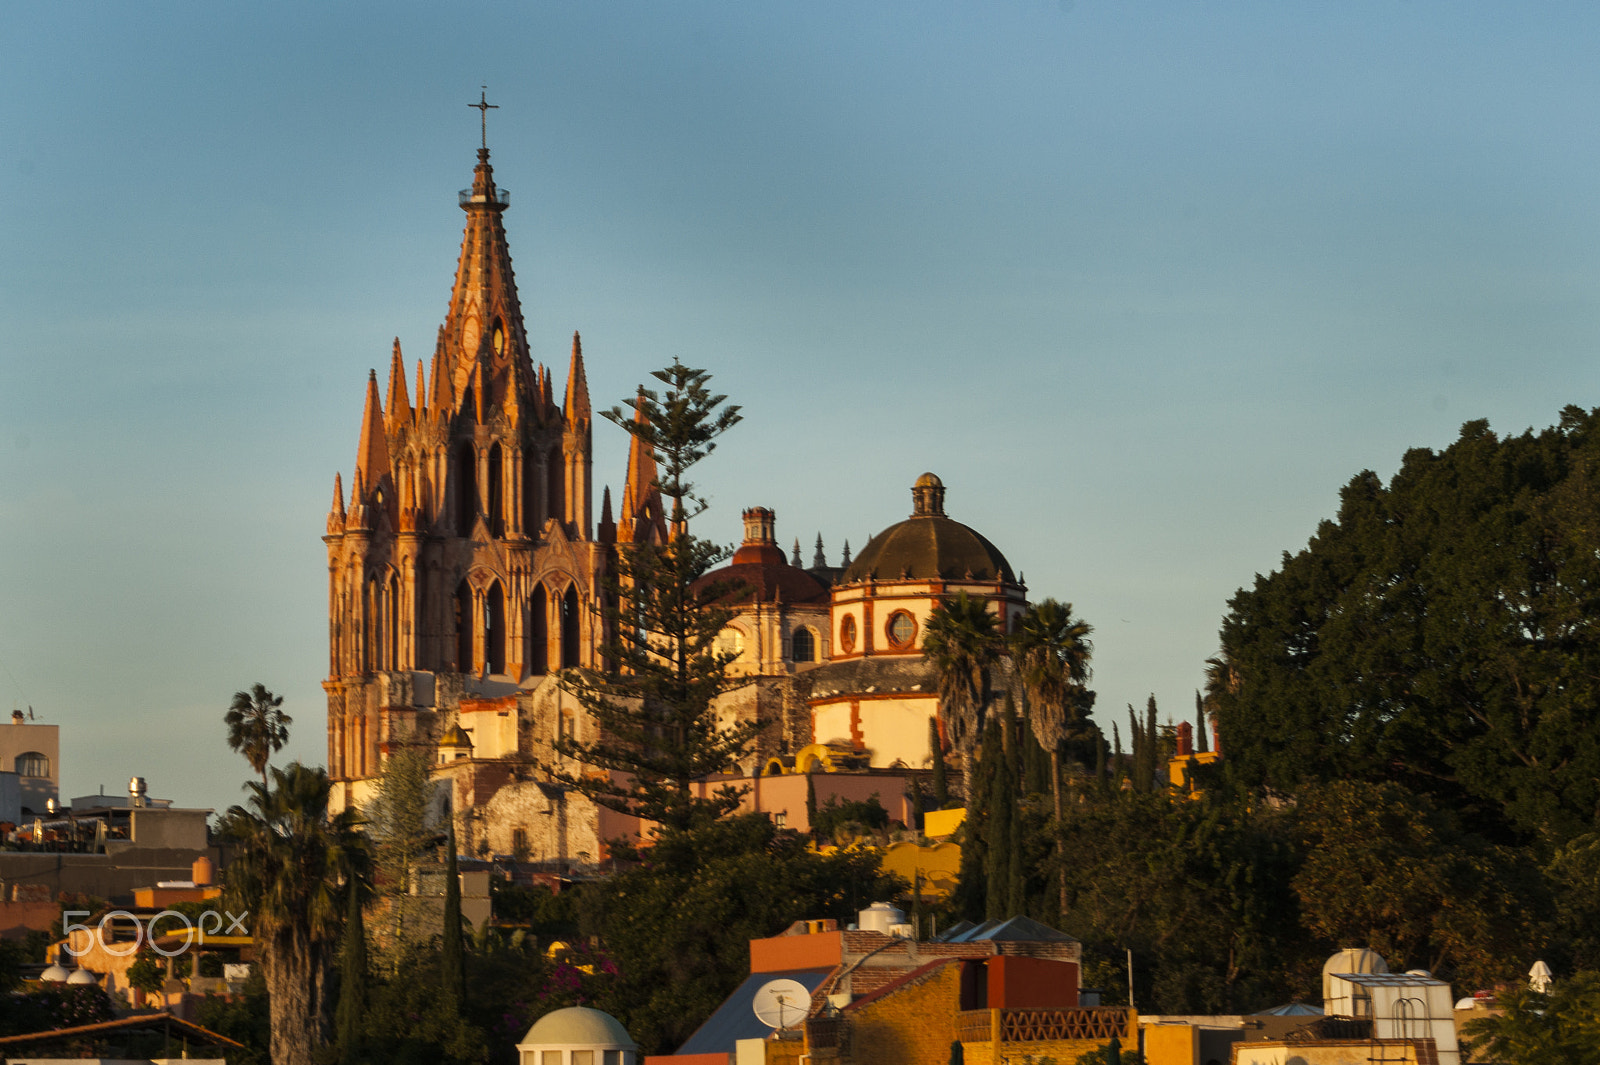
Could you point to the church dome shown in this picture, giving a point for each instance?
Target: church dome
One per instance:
(578, 1026)
(928, 546)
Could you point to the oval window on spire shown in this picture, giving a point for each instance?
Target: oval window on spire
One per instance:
(499, 339)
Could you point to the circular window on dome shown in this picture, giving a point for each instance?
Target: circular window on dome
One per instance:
(901, 630)
(847, 634)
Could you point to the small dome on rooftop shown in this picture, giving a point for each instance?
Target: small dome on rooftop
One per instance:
(578, 1026)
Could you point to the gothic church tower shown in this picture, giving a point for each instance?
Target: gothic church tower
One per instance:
(465, 563)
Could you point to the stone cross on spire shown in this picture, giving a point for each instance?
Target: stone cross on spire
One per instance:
(484, 107)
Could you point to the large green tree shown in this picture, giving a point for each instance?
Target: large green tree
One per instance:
(1386, 869)
(293, 864)
(1198, 890)
(658, 731)
(257, 726)
(1443, 632)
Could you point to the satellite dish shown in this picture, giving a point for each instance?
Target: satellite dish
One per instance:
(782, 1003)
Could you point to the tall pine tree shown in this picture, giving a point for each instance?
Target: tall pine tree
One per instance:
(657, 731)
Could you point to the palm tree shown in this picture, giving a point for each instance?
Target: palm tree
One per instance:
(1222, 684)
(963, 641)
(257, 726)
(293, 868)
(1051, 652)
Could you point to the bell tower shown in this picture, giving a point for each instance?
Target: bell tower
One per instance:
(464, 560)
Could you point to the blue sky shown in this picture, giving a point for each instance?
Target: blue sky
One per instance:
(1144, 283)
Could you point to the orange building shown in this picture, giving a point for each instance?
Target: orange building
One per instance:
(1003, 990)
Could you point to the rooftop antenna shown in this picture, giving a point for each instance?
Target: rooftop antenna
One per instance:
(781, 1003)
(484, 107)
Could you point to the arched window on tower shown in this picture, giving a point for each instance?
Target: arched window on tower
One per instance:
(463, 612)
(556, 486)
(370, 628)
(532, 519)
(539, 631)
(494, 629)
(805, 646)
(569, 628)
(465, 475)
(497, 511)
(392, 622)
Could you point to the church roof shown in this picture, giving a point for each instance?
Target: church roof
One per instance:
(766, 582)
(758, 572)
(928, 545)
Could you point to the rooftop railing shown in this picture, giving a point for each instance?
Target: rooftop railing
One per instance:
(1045, 1025)
(501, 196)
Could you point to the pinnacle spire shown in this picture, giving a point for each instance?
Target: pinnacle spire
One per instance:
(336, 512)
(608, 526)
(576, 406)
(398, 410)
(422, 395)
(820, 560)
(794, 559)
(642, 509)
(372, 453)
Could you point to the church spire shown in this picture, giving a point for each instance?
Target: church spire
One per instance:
(372, 453)
(484, 325)
(576, 406)
(336, 512)
(608, 526)
(642, 509)
(397, 412)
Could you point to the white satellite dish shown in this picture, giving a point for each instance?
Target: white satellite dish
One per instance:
(782, 1003)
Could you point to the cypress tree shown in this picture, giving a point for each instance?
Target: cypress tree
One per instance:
(352, 1010)
(1116, 761)
(1001, 820)
(811, 803)
(971, 897)
(1152, 742)
(916, 805)
(1202, 742)
(1136, 759)
(1016, 877)
(452, 976)
(941, 782)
